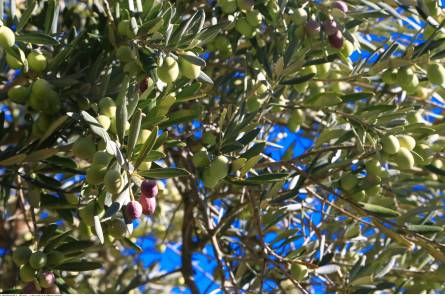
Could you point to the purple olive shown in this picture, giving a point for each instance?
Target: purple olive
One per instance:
(336, 40)
(312, 27)
(148, 205)
(47, 279)
(341, 6)
(133, 211)
(30, 288)
(52, 290)
(330, 26)
(143, 85)
(149, 188)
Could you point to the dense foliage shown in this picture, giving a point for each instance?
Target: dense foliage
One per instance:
(128, 121)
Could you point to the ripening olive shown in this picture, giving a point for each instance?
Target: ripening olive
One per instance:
(21, 255)
(348, 182)
(27, 273)
(19, 93)
(390, 144)
(38, 260)
(342, 6)
(37, 61)
(107, 107)
(84, 148)
(7, 37)
(188, 69)
(47, 279)
(312, 27)
(406, 141)
(13, 62)
(404, 159)
(113, 181)
(168, 72)
(436, 73)
(336, 40)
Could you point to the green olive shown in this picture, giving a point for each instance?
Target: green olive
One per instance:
(27, 273)
(38, 260)
(101, 158)
(84, 148)
(373, 167)
(407, 142)
(168, 72)
(104, 121)
(144, 166)
(244, 28)
(390, 144)
(298, 271)
(209, 138)
(124, 54)
(404, 159)
(87, 212)
(254, 18)
(348, 48)
(227, 6)
(37, 61)
(188, 69)
(55, 258)
(7, 37)
(300, 16)
(253, 104)
(95, 174)
(107, 107)
(19, 93)
(13, 62)
(113, 181)
(201, 158)
(245, 5)
(436, 73)
(21, 255)
(348, 182)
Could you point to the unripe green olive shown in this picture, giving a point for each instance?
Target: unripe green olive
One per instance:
(113, 127)
(41, 87)
(415, 117)
(407, 141)
(405, 76)
(222, 43)
(7, 37)
(165, 104)
(132, 68)
(201, 158)
(245, 5)
(238, 164)
(261, 88)
(168, 72)
(436, 73)
(312, 69)
(323, 70)
(300, 16)
(107, 107)
(38, 260)
(13, 62)
(19, 93)
(101, 158)
(209, 138)
(104, 121)
(27, 273)
(348, 182)
(389, 76)
(189, 70)
(123, 28)
(21, 255)
(299, 272)
(348, 48)
(87, 212)
(113, 181)
(359, 195)
(373, 167)
(37, 61)
(143, 136)
(254, 18)
(390, 144)
(84, 148)
(55, 258)
(117, 228)
(124, 54)
(95, 174)
(374, 190)
(52, 103)
(253, 104)
(219, 167)
(244, 28)
(144, 166)
(227, 6)
(209, 180)
(404, 159)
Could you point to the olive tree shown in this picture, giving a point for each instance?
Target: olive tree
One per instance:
(296, 144)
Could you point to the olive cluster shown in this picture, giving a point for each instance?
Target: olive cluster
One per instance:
(35, 269)
(32, 90)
